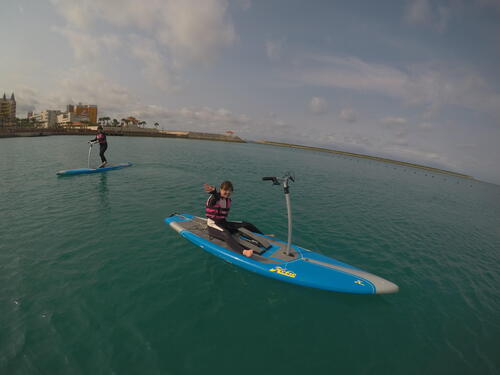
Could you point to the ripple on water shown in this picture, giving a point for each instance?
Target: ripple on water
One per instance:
(93, 281)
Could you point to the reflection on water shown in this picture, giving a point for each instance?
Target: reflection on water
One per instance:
(102, 190)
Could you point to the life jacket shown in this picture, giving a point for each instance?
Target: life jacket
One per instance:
(101, 137)
(219, 210)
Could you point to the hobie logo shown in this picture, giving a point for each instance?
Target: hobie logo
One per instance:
(283, 271)
(359, 282)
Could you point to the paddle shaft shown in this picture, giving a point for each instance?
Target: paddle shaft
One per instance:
(88, 159)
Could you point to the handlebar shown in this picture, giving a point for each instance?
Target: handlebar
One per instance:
(273, 179)
(280, 180)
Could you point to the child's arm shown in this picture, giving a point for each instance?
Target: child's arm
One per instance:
(214, 197)
(209, 188)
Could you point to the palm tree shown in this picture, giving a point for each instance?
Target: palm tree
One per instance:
(156, 125)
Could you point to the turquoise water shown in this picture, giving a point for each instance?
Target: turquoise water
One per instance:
(93, 281)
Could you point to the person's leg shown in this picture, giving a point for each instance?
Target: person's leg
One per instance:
(102, 150)
(226, 236)
(234, 225)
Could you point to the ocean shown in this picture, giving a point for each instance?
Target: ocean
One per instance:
(94, 282)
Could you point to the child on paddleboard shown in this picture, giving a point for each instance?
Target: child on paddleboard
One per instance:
(216, 210)
(103, 145)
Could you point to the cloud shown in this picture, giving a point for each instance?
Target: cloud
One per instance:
(395, 147)
(187, 31)
(432, 85)
(423, 13)
(425, 126)
(274, 49)
(27, 100)
(494, 4)
(83, 85)
(351, 73)
(394, 121)
(245, 4)
(348, 115)
(87, 46)
(194, 30)
(318, 105)
(201, 119)
(155, 68)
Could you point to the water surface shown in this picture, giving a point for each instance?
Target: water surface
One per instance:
(93, 281)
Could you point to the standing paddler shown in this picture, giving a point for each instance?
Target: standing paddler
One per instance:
(103, 145)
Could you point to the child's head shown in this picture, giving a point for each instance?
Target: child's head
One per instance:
(99, 128)
(226, 188)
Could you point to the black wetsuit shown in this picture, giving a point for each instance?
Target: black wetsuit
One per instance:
(103, 145)
(227, 228)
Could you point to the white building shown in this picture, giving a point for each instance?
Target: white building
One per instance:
(71, 119)
(45, 119)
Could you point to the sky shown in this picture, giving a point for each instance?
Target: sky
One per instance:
(411, 80)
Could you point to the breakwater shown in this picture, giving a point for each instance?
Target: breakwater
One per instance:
(402, 163)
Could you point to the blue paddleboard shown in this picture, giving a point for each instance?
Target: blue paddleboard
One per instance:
(71, 172)
(300, 266)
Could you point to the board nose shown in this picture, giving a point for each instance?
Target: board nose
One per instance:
(383, 286)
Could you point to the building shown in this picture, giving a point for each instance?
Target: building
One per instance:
(44, 119)
(90, 111)
(71, 119)
(8, 111)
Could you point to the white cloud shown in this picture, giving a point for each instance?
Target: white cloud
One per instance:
(422, 12)
(274, 49)
(27, 100)
(432, 85)
(196, 31)
(201, 119)
(352, 73)
(418, 11)
(425, 126)
(348, 114)
(83, 85)
(318, 105)
(495, 4)
(87, 46)
(245, 4)
(155, 68)
(394, 121)
(188, 31)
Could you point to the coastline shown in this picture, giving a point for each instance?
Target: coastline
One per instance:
(375, 158)
(139, 132)
(43, 132)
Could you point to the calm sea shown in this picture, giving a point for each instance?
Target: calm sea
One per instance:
(93, 281)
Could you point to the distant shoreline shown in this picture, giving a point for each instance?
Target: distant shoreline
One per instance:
(402, 163)
(112, 131)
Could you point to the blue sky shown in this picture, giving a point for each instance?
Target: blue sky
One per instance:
(413, 80)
